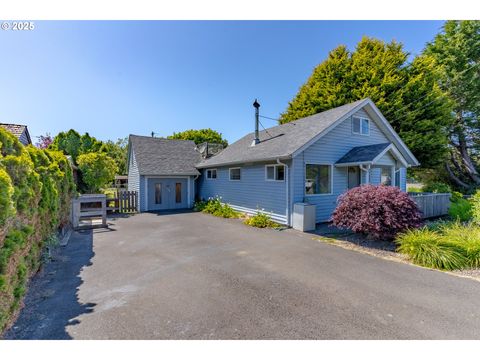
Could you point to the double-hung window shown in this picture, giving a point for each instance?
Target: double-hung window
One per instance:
(211, 174)
(274, 172)
(235, 174)
(318, 179)
(360, 125)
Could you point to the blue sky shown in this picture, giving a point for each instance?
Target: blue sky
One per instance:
(112, 79)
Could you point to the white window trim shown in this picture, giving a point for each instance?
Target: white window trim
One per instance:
(211, 178)
(361, 119)
(274, 172)
(230, 173)
(305, 179)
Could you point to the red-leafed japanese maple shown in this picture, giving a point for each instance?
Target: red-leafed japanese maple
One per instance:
(376, 210)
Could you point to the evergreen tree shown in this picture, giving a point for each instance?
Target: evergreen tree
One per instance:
(456, 51)
(402, 91)
(199, 136)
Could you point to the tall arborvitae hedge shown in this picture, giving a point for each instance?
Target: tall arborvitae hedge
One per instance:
(36, 187)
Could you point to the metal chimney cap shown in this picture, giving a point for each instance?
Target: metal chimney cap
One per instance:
(256, 105)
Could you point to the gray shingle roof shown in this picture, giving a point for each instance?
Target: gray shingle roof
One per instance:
(156, 156)
(281, 141)
(363, 154)
(17, 130)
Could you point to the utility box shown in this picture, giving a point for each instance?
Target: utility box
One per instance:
(304, 216)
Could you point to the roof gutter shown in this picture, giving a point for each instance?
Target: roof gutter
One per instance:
(203, 166)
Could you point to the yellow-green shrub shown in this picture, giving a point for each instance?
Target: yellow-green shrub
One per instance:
(36, 187)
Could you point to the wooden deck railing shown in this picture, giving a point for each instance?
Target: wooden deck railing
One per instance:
(432, 204)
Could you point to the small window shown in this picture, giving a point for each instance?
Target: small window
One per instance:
(360, 126)
(318, 179)
(386, 176)
(275, 172)
(158, 193)
(211, 174)
(235, 174)
(178, 193)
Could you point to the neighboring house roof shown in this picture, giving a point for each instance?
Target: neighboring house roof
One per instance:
(156, 156)
(363, 154)
(287, 140)
(18, 131)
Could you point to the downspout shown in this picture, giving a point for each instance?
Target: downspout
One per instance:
(287, 192)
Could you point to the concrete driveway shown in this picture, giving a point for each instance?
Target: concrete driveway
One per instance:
(194, 276)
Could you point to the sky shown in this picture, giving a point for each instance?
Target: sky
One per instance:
(115, 78)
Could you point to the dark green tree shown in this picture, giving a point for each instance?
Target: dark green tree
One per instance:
(73, 144)
(118, 152)
(456, 51)
(402, 91)
(200, 136)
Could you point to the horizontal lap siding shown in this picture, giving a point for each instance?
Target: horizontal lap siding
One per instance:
(141, 194)
(328, 150)
(252, 191)
(403, 179)
(134, 178)
(387, 160)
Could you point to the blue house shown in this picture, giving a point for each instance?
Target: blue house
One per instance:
(313, 160)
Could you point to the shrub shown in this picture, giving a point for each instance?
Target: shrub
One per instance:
(217, 208)
(426, 248)
(437, 187)
(261, 220)
(97, 169)
(36, 187)
(377, 210)
(449, 246)
(7, 208)
(475, 202)
(456, 196)
(460, 210)
(415, 189)
(199, 205)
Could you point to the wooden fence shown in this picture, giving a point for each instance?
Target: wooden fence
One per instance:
(124, 201)
(432, 205)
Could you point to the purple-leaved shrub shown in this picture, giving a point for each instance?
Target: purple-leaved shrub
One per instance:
(376, 210)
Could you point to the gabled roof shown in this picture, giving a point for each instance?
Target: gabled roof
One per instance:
(17, 130)
(363, 154)
(287, 140)
(280, 141)
(156, 156)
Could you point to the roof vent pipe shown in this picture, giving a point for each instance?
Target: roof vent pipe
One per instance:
(256, 140)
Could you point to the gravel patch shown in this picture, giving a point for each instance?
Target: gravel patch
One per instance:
(380, 248)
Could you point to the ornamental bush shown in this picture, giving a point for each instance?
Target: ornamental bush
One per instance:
(476, 207)
(98, 170)
(376, 210)
(261, 220)
(447, 246)
(36, 187)
(216, 208)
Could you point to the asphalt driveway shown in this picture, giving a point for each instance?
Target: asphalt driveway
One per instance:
(194, 276)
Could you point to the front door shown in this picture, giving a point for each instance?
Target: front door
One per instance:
(353, 177)
(167, 194)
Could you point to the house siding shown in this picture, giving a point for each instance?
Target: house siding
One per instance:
(249, 194)
(328, 150)
(23, 138)
(133, 174)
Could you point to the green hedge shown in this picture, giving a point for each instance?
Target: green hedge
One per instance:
(36, 187)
